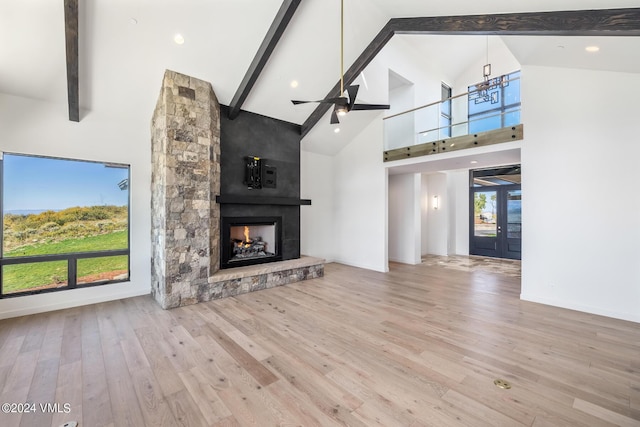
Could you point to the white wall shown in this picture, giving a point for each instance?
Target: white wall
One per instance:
(360, 201)
(438, 219)
(425, 204)
(580, 156)
(400, 131)
(405, 235)
(33, 127)
(458, 192)
(426, 78)
(317, 221)
(445, 231)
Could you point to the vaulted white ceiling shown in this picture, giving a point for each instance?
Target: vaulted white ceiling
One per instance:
(125, 46)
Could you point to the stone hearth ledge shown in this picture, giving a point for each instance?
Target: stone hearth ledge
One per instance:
(241, 280)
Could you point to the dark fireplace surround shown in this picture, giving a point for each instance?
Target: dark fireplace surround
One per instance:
(277, 144)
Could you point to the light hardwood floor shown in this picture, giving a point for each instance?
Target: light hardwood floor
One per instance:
(419, 346)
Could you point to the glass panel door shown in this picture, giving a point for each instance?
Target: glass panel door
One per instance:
(512, 245)
(485, 214)
(496, 212)
(514, 214)
(485, 223)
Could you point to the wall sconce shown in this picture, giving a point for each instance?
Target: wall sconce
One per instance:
(436, 202)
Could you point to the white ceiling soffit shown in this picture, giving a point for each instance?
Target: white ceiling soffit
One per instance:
(615, 53)
(504, 154)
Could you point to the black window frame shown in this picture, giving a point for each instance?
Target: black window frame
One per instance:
(445, 96)
(72, 257)
(496, 84)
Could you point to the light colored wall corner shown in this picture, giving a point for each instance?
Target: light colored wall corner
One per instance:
(317, 221)
(405, 216)
(579, 162)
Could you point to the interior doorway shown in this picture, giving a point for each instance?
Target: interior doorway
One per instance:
(496, 212)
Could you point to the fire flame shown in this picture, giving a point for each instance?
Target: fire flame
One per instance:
(246, 234)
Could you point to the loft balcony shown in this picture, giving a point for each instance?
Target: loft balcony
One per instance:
(490, 113)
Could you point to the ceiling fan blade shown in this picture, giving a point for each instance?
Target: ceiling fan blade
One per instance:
(362, 107)
(353, 92)
(334, 118)
(340, 100)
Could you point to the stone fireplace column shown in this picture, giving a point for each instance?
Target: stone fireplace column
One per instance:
(185, 179)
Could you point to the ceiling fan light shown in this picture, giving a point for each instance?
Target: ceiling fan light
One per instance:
(341, 110)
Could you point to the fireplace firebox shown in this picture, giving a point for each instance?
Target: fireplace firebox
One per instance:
(250, 240)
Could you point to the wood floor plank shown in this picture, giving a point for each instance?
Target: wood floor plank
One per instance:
(300, 406)
(42, 391)
(154, 407)
(326, 395)
(96, 403)
(124, 402)
(257, 370)
(227, 422)
(417, 346)
(159, 362)
(185, 410)
(71, 340)
(21, 373)
(68, 392)
(248, 345)
(17, 385)
(605, 414)
(205, 396)
(35, 335)
(10, 350)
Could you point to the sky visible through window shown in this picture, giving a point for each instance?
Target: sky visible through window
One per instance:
(35, 184)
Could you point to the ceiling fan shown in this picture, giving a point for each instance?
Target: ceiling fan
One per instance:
(343, 104)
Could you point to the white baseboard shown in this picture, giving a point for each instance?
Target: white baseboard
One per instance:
(631, 317)
(34, 304)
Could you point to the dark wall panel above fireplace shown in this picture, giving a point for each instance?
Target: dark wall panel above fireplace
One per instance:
(275, 141)
(279, 143)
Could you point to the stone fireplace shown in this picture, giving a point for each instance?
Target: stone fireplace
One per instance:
(200, 207)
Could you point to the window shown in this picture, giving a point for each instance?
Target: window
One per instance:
(445, 111)
(496, 107)
(65, 224)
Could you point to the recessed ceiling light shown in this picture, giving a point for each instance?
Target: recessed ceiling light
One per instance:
(337, 130)
(178, 39)
(592, 49)
(294, 84)
(473, 162)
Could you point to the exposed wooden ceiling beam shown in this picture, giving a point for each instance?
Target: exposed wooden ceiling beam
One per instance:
(603, 22)
(71, 40)
(269, 43)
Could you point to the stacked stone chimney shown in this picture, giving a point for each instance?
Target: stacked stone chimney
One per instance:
(185, 181)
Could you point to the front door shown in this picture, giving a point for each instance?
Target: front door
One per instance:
(496, 221)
